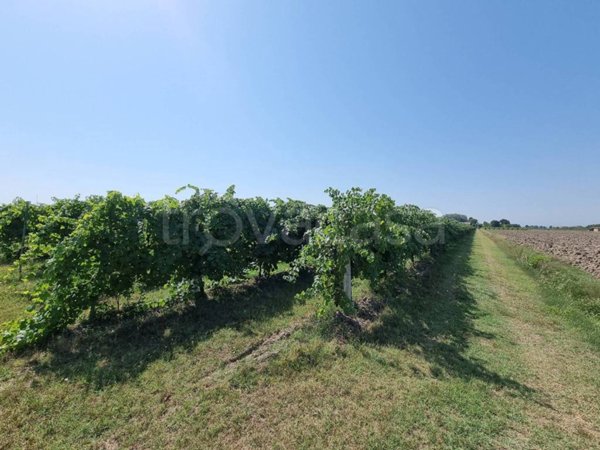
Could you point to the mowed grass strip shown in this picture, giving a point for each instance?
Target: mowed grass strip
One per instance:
(449, 363)
(568, 292)
(561, 364)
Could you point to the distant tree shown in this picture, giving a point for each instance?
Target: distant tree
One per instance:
(504, 222)
(495, 224)
(473, 221)
(486, 224)
(457, 217)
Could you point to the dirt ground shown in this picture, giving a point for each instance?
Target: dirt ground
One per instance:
(580, 248)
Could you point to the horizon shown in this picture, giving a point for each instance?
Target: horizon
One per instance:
(180, 196)
(483, 109)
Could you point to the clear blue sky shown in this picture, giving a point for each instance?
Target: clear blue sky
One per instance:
(490, 108)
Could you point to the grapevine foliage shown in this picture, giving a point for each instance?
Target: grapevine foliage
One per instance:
(84, 252)
(104, 247)
(15, 224)
(375, 236)
(101, 258)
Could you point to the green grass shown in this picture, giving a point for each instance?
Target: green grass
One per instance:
(13, 297)
(568, 291)
(470, 359)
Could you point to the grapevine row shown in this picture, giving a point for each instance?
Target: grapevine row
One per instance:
(85, 251)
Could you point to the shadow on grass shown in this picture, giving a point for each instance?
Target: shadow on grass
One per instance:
(437, 318)
(115, 351)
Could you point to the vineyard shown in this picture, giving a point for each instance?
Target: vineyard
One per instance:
(215, 321)
(87, 252)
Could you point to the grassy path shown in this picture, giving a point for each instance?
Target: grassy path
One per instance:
(472, 359)
(549, 357)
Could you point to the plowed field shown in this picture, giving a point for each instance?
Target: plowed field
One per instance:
(580, 248)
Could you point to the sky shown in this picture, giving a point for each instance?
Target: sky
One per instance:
(487, 108)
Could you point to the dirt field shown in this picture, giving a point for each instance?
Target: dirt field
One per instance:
(580, 248)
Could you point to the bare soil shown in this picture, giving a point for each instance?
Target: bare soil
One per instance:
(580, 248)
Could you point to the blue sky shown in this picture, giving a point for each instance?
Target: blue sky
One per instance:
(490, 108)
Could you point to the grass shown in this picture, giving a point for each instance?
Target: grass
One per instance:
(13, 298)
(568, 291)
(469, 359)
